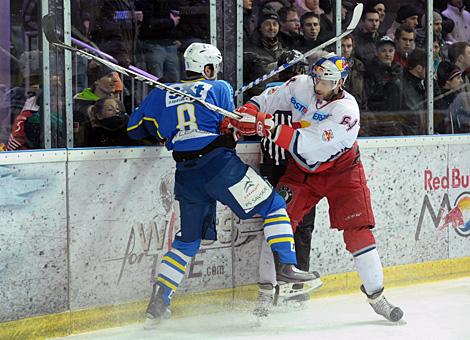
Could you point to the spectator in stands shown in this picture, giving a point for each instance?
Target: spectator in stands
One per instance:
(437, 30)
(276, 5)
(103, 82)
(367, 37)
(355, 81)
(310, 27)
(116, 30)
(304, 6)
(108, 124)
(449, 81)
(407, 15)
(437, 53)
(413, 93)
(249, 22)
(194, 25)
(327, 21)
(461, 18)
(459, 54)
(323, 9)
(26, 130)
(260, 55)
(382, 79)
(346, 12)
(405, 44)
(289, 31)
(18, 139)
(160, 38)
(379, 6)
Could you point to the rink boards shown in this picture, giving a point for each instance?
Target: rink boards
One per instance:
(83, 230)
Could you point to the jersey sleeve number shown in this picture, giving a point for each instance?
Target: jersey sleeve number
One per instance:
(186, 117)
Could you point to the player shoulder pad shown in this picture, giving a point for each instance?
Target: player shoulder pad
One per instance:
(227, 85)
(347, 106)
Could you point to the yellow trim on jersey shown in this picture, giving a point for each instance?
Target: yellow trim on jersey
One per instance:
(282, 239)
(192, 80)
(277, 219)
(130, 128)
(166, 283)
(174, 262)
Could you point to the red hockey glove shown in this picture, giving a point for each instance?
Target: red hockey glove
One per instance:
(253, 122)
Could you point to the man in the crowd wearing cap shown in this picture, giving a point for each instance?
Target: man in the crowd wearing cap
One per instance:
(261, 54)
(405, 37)
(310, 27)
(367, 37)
(406, 15)
(289, 32)
(449, 84)
(103, 83)
(382, 88)
(461, 18)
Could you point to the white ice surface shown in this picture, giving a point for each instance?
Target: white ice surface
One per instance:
(438, 311)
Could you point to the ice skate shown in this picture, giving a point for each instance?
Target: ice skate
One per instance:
(157, 309)
(293, 281)
(265, 300)
(381, 306)
(298, 298)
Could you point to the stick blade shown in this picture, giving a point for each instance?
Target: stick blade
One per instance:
(50, 30)
(357, 14)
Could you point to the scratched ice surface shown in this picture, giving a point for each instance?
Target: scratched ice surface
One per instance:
(432, 311)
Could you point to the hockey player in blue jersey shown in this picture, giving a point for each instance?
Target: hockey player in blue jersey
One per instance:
(208, 170)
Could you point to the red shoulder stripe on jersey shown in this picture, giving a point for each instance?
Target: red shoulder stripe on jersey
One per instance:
(283, 136)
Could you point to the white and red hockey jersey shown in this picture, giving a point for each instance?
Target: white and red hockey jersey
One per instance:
(322, 131)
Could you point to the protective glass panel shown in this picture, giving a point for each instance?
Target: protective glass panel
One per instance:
(149, 35)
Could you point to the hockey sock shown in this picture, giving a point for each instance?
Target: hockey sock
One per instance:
(172, 269)
(267, 269)
(278, 234)
(370, 269)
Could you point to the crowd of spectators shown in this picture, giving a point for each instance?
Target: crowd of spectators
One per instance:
(385, 54)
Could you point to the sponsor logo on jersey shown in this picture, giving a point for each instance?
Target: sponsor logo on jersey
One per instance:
(327, 135)
(320, 116)
(285, 193)
(298, 105)
(197, 90)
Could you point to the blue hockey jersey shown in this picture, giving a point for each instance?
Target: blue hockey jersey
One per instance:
(185, 125)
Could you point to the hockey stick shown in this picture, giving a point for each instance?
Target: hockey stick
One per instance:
(48, 26)
(110, 58)
(352, 25)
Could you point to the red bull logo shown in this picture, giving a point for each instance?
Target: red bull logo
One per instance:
(459, 217)
(452, 179)
(341, 64)
(447, 215)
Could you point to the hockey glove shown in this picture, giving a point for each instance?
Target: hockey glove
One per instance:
(253, 122)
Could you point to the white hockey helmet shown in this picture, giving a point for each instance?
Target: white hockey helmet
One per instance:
(331, 67)
(198, 55)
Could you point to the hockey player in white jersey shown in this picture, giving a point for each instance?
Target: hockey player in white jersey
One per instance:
(326, 163)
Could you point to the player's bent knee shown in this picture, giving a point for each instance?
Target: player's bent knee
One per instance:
(187, 248)
(357, 239)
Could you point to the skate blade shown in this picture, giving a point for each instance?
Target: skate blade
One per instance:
(286, 289)
(151, 323)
